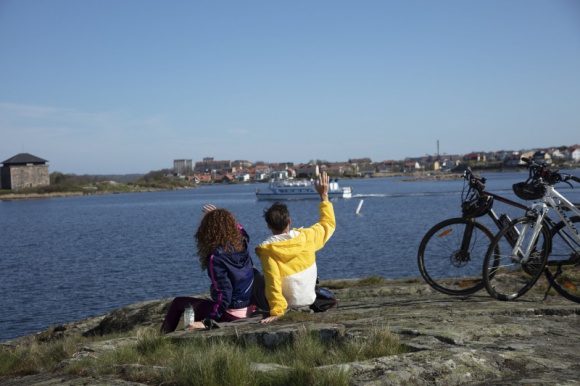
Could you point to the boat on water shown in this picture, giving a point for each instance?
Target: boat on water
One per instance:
(299, 190)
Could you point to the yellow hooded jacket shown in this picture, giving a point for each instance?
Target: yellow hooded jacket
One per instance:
(289, 262)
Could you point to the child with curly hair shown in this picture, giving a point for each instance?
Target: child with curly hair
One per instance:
(222, 246)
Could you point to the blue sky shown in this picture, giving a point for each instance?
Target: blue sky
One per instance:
(114, 87)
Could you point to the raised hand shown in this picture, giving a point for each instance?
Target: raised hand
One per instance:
(208, 208)
(322, 186)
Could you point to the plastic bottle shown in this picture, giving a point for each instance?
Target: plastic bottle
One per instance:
(188, 316)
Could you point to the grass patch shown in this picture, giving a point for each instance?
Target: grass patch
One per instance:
(35, 357)
(218, 363)
(15, 364)
(155, 359)
(315, 352)
(211, 363)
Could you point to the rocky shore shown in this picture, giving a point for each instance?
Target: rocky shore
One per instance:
(450, 340)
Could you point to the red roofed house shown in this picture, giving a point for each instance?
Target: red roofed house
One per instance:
(201, 178)
(479, 157)
(412, 166)
(227, 177)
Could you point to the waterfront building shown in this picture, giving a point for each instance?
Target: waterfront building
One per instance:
(182, 166)
(24, 171)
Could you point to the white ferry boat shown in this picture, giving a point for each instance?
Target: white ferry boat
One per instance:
(299, 189)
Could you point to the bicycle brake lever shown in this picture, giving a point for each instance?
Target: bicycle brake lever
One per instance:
(566, 179)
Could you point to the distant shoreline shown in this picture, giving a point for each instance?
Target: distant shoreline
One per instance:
(28, 196)
(34, 196)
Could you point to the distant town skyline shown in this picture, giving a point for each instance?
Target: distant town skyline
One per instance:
(190, 161)
(570, 147)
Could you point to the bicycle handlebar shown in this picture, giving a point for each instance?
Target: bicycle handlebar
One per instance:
(475, 182)
(542, 172)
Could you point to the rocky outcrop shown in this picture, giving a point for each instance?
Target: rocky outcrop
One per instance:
(450, 340)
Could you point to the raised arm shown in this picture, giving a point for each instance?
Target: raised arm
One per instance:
(322, 186)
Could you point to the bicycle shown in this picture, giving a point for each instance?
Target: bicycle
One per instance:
(535, 244)
(451, 253)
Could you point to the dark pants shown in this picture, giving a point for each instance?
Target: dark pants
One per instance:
(259, 292)
(201, 307)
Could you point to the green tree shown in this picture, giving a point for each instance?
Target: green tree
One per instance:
(58, 178)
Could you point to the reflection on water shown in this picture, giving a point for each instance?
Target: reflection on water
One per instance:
(65, 259)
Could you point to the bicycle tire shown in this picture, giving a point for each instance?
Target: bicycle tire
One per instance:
(504, 277)
(563, 270)
(440, 260)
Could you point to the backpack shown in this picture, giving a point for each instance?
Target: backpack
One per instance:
(324, 300)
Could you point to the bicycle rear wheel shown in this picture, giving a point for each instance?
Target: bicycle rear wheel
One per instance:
(504, 275)
(443, 264)
(564, 261)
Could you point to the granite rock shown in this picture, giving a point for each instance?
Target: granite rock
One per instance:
(451, 340)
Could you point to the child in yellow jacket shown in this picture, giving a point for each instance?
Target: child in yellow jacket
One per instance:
(288, 256)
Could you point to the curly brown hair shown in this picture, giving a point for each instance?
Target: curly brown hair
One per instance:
(218, 228)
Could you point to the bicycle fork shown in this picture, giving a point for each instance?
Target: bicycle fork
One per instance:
(464, 253)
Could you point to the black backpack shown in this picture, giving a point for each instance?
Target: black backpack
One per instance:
(324, 300)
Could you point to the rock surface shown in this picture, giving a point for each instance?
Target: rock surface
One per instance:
(452, 340)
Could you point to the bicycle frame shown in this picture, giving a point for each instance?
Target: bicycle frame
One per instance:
(464, 251)
(550, 201)
(491, 212)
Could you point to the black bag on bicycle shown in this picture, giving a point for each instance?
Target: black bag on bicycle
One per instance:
(325, 300)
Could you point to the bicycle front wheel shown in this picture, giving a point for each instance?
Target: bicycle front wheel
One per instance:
(564, 261)
(508, 274)
(445, 265)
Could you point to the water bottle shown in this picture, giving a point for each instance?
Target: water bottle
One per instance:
(512, 234)
(188, 316)
(504, 220)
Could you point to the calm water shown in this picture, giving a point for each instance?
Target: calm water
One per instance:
(65, 259)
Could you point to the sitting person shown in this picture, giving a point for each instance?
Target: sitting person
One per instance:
(288, 256)
(222, 246)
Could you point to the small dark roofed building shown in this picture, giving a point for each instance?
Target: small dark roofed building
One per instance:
(24, 171)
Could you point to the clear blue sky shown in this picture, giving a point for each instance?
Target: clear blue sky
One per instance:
(114, 87)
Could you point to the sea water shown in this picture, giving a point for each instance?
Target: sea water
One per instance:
(65, 259)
